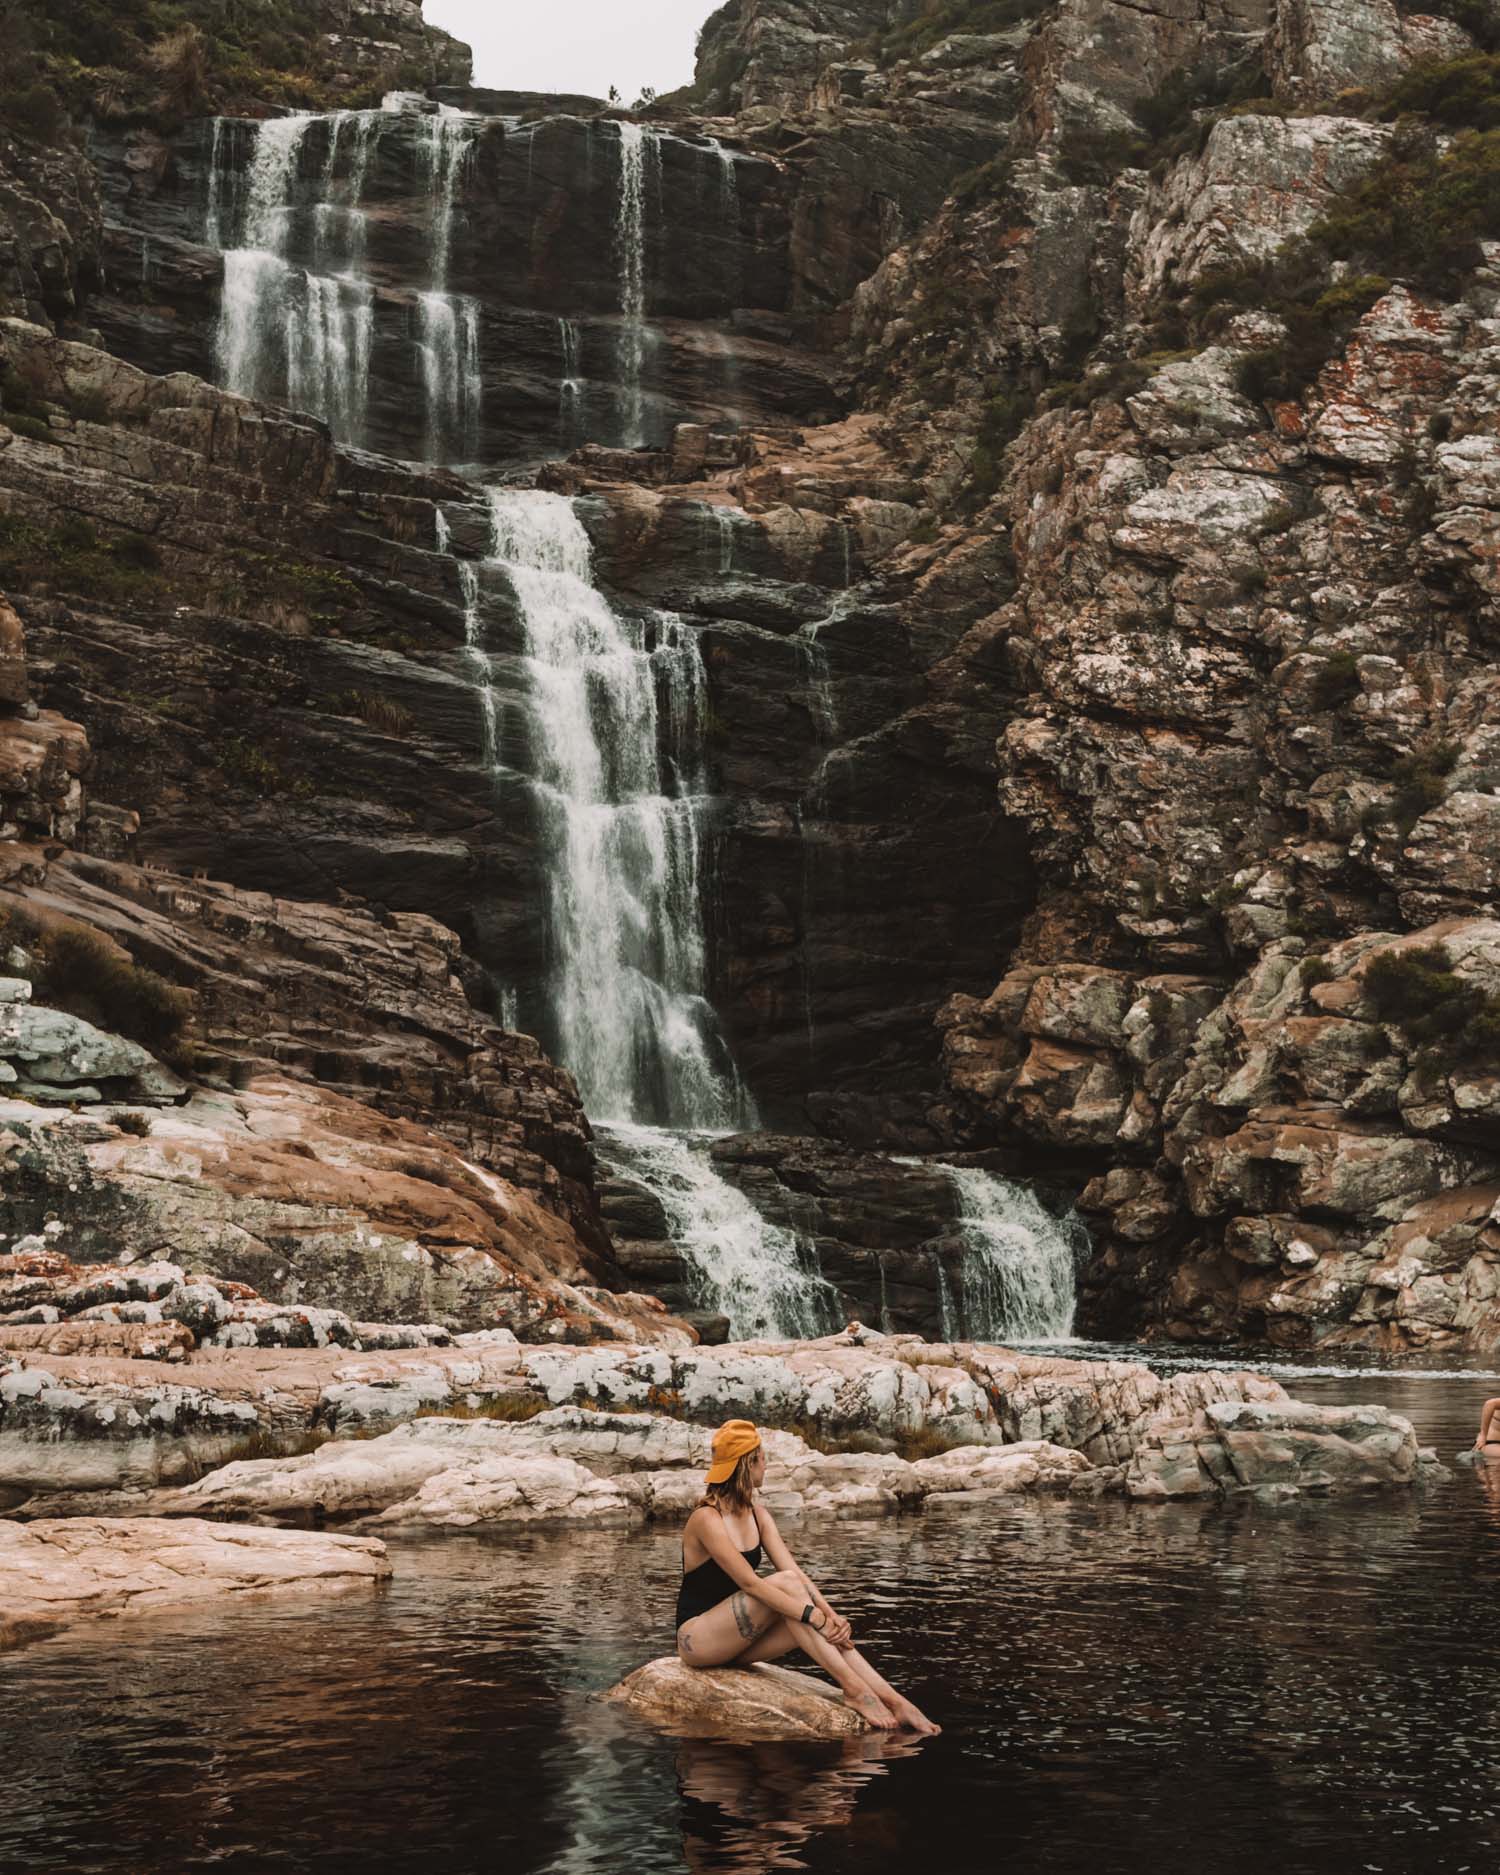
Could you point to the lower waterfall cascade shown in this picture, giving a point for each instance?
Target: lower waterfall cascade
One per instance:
(759, 1275)
(1017, 1280)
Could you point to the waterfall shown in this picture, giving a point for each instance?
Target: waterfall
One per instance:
(740, 1264)
(284, 329)
(474, 653)
(447, 323)
(1016, 1282)
(729, 215)
(213, 218)
(723, 523)
(570, 388)
(448, 346)
(627, 994)
(445, 154)
(630, 248)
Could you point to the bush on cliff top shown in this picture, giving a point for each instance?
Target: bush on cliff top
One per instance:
(1420, 993)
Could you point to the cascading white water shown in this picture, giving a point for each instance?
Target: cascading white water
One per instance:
(446, 150)
(630, 249)
(723, 523)
(742, 1265)
(284, 329)
(447, 324)
(570, 386)
(730, 218)
(448, 347)
(474, 652)
(1017, 1279)
(628, 983)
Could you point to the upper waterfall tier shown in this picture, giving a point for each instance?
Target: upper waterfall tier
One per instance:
(602, 280)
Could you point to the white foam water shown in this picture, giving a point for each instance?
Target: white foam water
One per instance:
(630, 252)
(760, 1275)
(285, 330)
(633, 1021)
(1017, 1281)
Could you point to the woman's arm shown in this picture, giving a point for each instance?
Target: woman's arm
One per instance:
(720, 1545)
(782, 1557)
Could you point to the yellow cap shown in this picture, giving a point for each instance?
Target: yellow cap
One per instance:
(732, 1441)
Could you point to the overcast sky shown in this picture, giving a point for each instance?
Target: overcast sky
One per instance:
(576, 45)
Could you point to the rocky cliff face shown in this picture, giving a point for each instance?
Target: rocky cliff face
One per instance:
(1078, 488)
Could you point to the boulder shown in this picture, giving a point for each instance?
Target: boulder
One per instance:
(763, 1701)
(52, 1572)
(1279, 1449)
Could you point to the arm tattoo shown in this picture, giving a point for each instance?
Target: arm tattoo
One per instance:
(744, 1620)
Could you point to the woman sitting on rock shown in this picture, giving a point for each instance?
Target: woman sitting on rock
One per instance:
(727, 1615)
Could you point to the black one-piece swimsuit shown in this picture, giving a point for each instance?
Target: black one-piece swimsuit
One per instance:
(708, 1585)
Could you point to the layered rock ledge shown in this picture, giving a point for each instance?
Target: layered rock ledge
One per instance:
(52, 1572)
(496, 1432)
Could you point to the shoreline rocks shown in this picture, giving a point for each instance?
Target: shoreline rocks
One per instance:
(52, 1572)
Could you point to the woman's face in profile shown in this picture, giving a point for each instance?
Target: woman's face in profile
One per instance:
(758, 1466)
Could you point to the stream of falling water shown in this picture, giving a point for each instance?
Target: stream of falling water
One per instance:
(630, 245)
(306, 332)
(628, 981)
(448, 323)
(763, 1277)
(285, 329)
(1017, 1280)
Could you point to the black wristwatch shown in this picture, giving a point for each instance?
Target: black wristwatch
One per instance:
(807, 1614)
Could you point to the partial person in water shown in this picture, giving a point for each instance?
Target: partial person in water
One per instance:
(1489, 1434)
(728, 1615)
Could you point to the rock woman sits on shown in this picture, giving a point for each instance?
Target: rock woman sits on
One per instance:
(727, 1615)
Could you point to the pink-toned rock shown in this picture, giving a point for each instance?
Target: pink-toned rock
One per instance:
(54, 1571)
(764, 1701)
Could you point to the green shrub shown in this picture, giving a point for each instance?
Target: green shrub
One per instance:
(1418, 992)
(37, 428)
(79, 970)
(1422, 783)
(90, 406)
(245, 764)
(1335, 681)
(383, 713)
(33, 111)
(1316, 328)
(136, 550)
(988, 183)
(1314, 970)
(1422, 212)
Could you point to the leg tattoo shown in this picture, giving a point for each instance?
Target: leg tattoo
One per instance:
(685, 1640)
(743, 1619)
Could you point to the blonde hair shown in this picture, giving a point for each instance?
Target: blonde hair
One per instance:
(736, 1492)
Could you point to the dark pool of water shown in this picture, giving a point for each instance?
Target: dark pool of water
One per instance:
(1125, 1688)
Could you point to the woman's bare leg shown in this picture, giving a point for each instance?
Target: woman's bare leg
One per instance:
(758, 1633)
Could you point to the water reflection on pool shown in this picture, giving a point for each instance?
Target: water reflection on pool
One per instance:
(1125, 1687)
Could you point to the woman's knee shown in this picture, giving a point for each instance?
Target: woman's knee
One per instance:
(784, 1579)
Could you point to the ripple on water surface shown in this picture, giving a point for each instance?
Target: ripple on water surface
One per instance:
(1125, 1687)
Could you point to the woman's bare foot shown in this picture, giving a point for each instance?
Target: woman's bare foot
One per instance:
(873, 1712)
(913, 1719)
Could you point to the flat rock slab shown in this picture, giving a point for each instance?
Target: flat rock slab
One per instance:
(58, 1569)
(735, 1702)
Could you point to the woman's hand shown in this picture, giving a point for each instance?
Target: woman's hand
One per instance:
(835, 1628)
